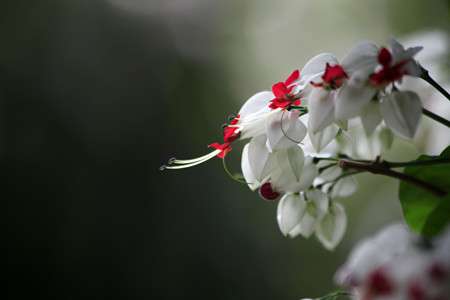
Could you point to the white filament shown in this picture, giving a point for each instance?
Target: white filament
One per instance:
(194, 162)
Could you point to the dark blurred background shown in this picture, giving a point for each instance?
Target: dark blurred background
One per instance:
(96, 95)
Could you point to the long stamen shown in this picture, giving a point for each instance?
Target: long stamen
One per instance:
(182, 164)
(186, 161)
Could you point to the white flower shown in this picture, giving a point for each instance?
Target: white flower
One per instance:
(361, 58)
(256, 162)
(373, 252)
(284, 129)
(333, 181)
(396, 265)
(290, 212)
(401, 112)
(331, 229)
(373, 75)
(355, 93)
(344, 187)
(293, 172)
(322, 138)
(370, 116)
(253, 115)
(300, 213)
(320, 109)
(314, 69)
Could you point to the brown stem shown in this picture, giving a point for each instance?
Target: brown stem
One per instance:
(381, 168)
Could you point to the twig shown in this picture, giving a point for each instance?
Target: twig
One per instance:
(435, 117)
(383, 169)
(426, 76)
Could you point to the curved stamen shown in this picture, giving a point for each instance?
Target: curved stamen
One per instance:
(188, 165)
(187, 161)
(225, 167)
(284, 132)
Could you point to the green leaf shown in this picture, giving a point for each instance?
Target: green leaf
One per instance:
(425, 213)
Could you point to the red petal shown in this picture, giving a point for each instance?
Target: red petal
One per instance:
(384, 57)
(334, 74)
(229, 134)
(416, 291)
(293, 77)
(279, 103)
(438, 272)
(379, 283)
(225, 148)
(266, 191)
(388, 74)
(216, 146)
(280, 90)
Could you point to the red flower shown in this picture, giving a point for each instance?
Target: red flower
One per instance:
(438, 272)
(229, 132)
(225, 148)
(388, 73)
(282, 91)
(267, 192)
(384, 57)
(416, 291)
(379, 284)
(332, 78)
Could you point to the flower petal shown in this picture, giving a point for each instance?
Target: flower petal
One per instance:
(330, 173)
(344, 187)
(316, 207)
(254, 124)
(352, 97)
(412, 68)
(371, 117)
(362, 57)
(290, 211)
(320, 109)
(251, 180)
(402, 112)
(320, 201)
(309, 173)
(321, 139)
(284, 130)
(386, 139)
(280, 90)
(288, 169)
(372, 252)
(256, 103)
(316, 66)
(259, 159)
(305, 228)
(331, 229)
(399, 53)
(295, 75)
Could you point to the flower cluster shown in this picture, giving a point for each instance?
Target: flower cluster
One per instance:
(396, 264)
(290, 128)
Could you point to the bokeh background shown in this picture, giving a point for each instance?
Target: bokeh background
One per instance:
(96, 95)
